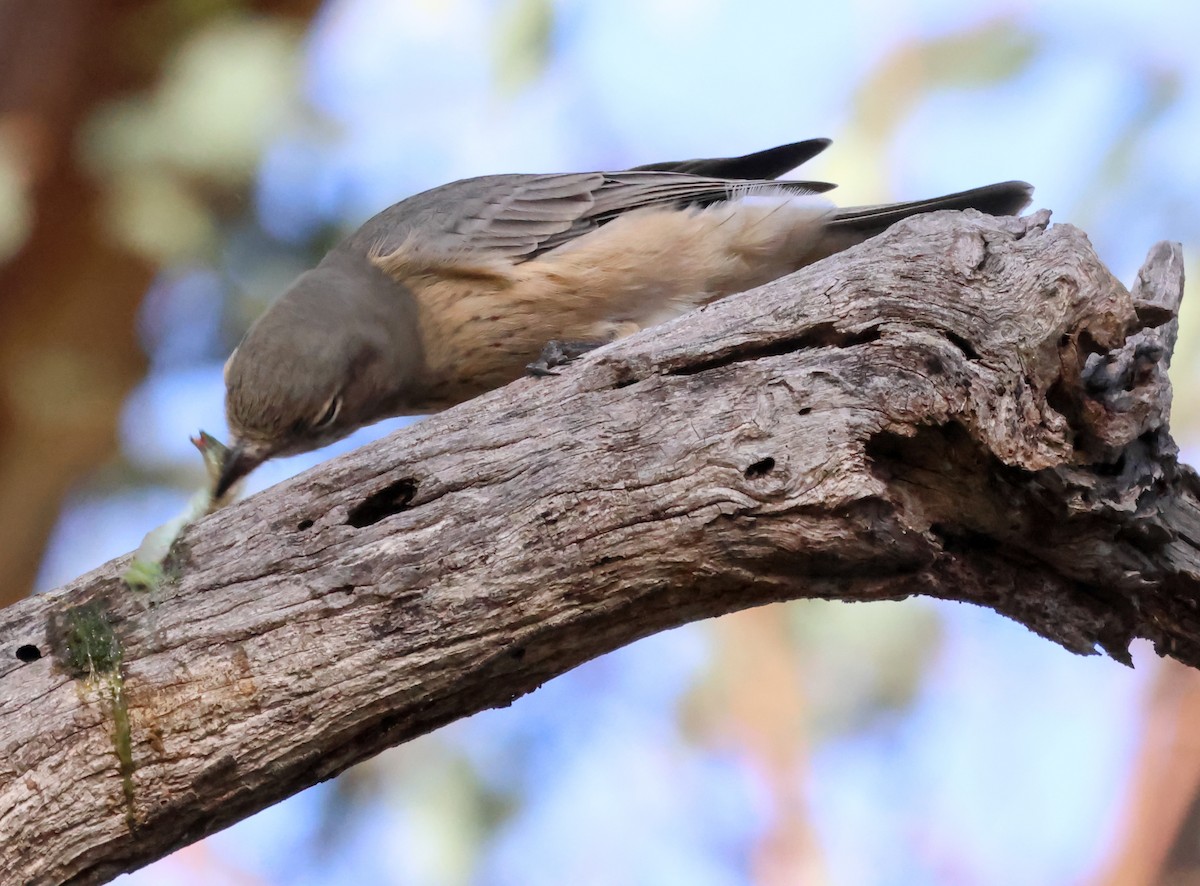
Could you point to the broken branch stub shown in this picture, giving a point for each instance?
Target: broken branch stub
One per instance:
(966, 407)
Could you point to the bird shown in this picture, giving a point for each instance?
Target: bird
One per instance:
(458, 290)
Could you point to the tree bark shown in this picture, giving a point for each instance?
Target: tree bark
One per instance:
(965, 407)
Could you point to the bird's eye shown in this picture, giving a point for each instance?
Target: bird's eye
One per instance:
(329, 413)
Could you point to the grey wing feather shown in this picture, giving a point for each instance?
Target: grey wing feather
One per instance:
(522, 216)
(624, 192)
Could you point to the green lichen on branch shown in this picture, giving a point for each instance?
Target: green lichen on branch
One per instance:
(122, 735)
(90, 650)
(88, 643)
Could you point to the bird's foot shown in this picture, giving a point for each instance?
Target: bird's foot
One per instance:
(560, 353)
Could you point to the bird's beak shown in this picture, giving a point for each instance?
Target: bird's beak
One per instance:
(240, 462)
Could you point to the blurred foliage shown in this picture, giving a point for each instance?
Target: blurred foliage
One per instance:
(1185, 368)
(15, 209)
(862, 662)
(983, 55)
(522, 42)
(221, 97)
(987, 54)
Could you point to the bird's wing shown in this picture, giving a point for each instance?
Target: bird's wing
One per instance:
(519, 217)
(768, 164)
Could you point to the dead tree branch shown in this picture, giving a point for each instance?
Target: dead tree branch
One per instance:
(966, 407)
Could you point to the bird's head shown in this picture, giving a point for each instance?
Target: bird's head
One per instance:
(337, 351)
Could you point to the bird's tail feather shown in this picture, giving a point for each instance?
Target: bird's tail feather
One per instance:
(1005, 198)
(855, 224)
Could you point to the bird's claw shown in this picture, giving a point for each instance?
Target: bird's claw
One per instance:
(559, 353)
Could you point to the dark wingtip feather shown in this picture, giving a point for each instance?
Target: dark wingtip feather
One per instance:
(760, 165)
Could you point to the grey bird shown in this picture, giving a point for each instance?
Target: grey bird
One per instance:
(456, 290)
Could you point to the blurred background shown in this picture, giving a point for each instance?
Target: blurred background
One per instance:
(167, 166)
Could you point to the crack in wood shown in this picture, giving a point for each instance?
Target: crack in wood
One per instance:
(820, 335)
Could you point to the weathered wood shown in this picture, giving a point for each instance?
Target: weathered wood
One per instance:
(966, 407)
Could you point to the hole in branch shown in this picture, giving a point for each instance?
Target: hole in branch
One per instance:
(760, 468)
(1088, 343)
(28, 653)
(963, 345)
(390, 500)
